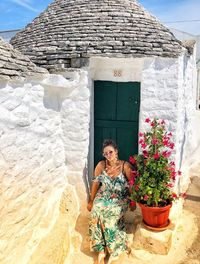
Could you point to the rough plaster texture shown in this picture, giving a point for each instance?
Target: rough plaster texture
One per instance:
(168, 91)
(44, 139)
(170, 95)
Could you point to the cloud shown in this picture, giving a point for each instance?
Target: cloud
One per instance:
(26, 4)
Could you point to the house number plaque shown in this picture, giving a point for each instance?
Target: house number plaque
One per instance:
(117, 73)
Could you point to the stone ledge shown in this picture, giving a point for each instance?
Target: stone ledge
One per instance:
(159, 242)
(153, 241)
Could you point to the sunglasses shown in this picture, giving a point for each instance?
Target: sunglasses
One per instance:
(108, 153)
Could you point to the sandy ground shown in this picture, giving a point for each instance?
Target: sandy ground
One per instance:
(192, 204)
(186, 243)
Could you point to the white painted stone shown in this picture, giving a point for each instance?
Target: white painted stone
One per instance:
(168, 91)
(35, 137)
(153, 242)
(44, 139)
(159, 242)
(116, 69)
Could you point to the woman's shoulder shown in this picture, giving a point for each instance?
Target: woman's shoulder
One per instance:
(125, 163)
(101, 164)
(99, 167)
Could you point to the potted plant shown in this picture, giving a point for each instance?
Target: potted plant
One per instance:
(153, 174)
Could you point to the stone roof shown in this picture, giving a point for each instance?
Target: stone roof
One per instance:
(189, 45)
(78, 29)
(14, 64)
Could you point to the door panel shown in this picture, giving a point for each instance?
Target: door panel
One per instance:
(116, 115)
(127, 141)
(105, 100)
(128, 101)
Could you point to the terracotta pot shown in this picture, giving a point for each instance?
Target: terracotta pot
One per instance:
(155, 216)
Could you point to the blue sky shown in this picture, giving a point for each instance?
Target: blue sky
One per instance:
(15, 14)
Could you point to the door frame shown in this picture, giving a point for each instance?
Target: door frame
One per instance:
(91, 131)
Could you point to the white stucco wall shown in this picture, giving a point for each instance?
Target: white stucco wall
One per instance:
(167, 92)
(44, 136)
(44, 139)
(191, 157)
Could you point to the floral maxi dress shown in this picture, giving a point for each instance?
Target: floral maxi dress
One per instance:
(106, 226)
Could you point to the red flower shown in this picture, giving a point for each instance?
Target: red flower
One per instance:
(137, 187)
(171, 145)
(132, 203)
(173, 175)
(170, 169)
(165, 142)
(170, 185)
(132, 160)
(145, 153)
(153, 165)
(134, 173)
(143, 145)
(141, 141)
(166, 154)
(174, 195)
(132, 181)
(155, 141)
(179, 173)
(162, 122)
(156, 156)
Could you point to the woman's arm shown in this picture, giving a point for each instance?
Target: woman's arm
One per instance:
(95, 185)
(127, 170)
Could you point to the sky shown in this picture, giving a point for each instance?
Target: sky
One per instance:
(183, 15)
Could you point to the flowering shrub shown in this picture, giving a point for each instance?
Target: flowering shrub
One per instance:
(153, 173)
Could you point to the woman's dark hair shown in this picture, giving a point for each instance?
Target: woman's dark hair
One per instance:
(109, 142)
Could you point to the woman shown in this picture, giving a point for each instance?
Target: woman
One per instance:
(108, 203)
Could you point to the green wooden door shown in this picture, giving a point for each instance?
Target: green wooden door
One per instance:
(116, 116)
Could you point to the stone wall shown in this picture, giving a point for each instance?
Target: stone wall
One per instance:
(167, 92)
(186, 111)
(44, 141)
(77, 29)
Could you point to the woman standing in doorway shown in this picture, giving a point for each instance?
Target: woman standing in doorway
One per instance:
(108, 203)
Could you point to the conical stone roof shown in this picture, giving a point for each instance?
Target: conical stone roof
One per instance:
(72, 29)
(13, 64)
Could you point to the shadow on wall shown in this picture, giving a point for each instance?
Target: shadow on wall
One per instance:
(86, 182)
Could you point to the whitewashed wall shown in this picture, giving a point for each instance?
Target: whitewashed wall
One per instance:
(187, 136)
(191, 162)
(44, 135)
(167, 92)
(44, 138)
(162, 96)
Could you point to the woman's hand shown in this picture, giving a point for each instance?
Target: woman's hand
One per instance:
(90, 205)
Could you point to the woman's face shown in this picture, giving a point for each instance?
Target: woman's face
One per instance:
(110, 153)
